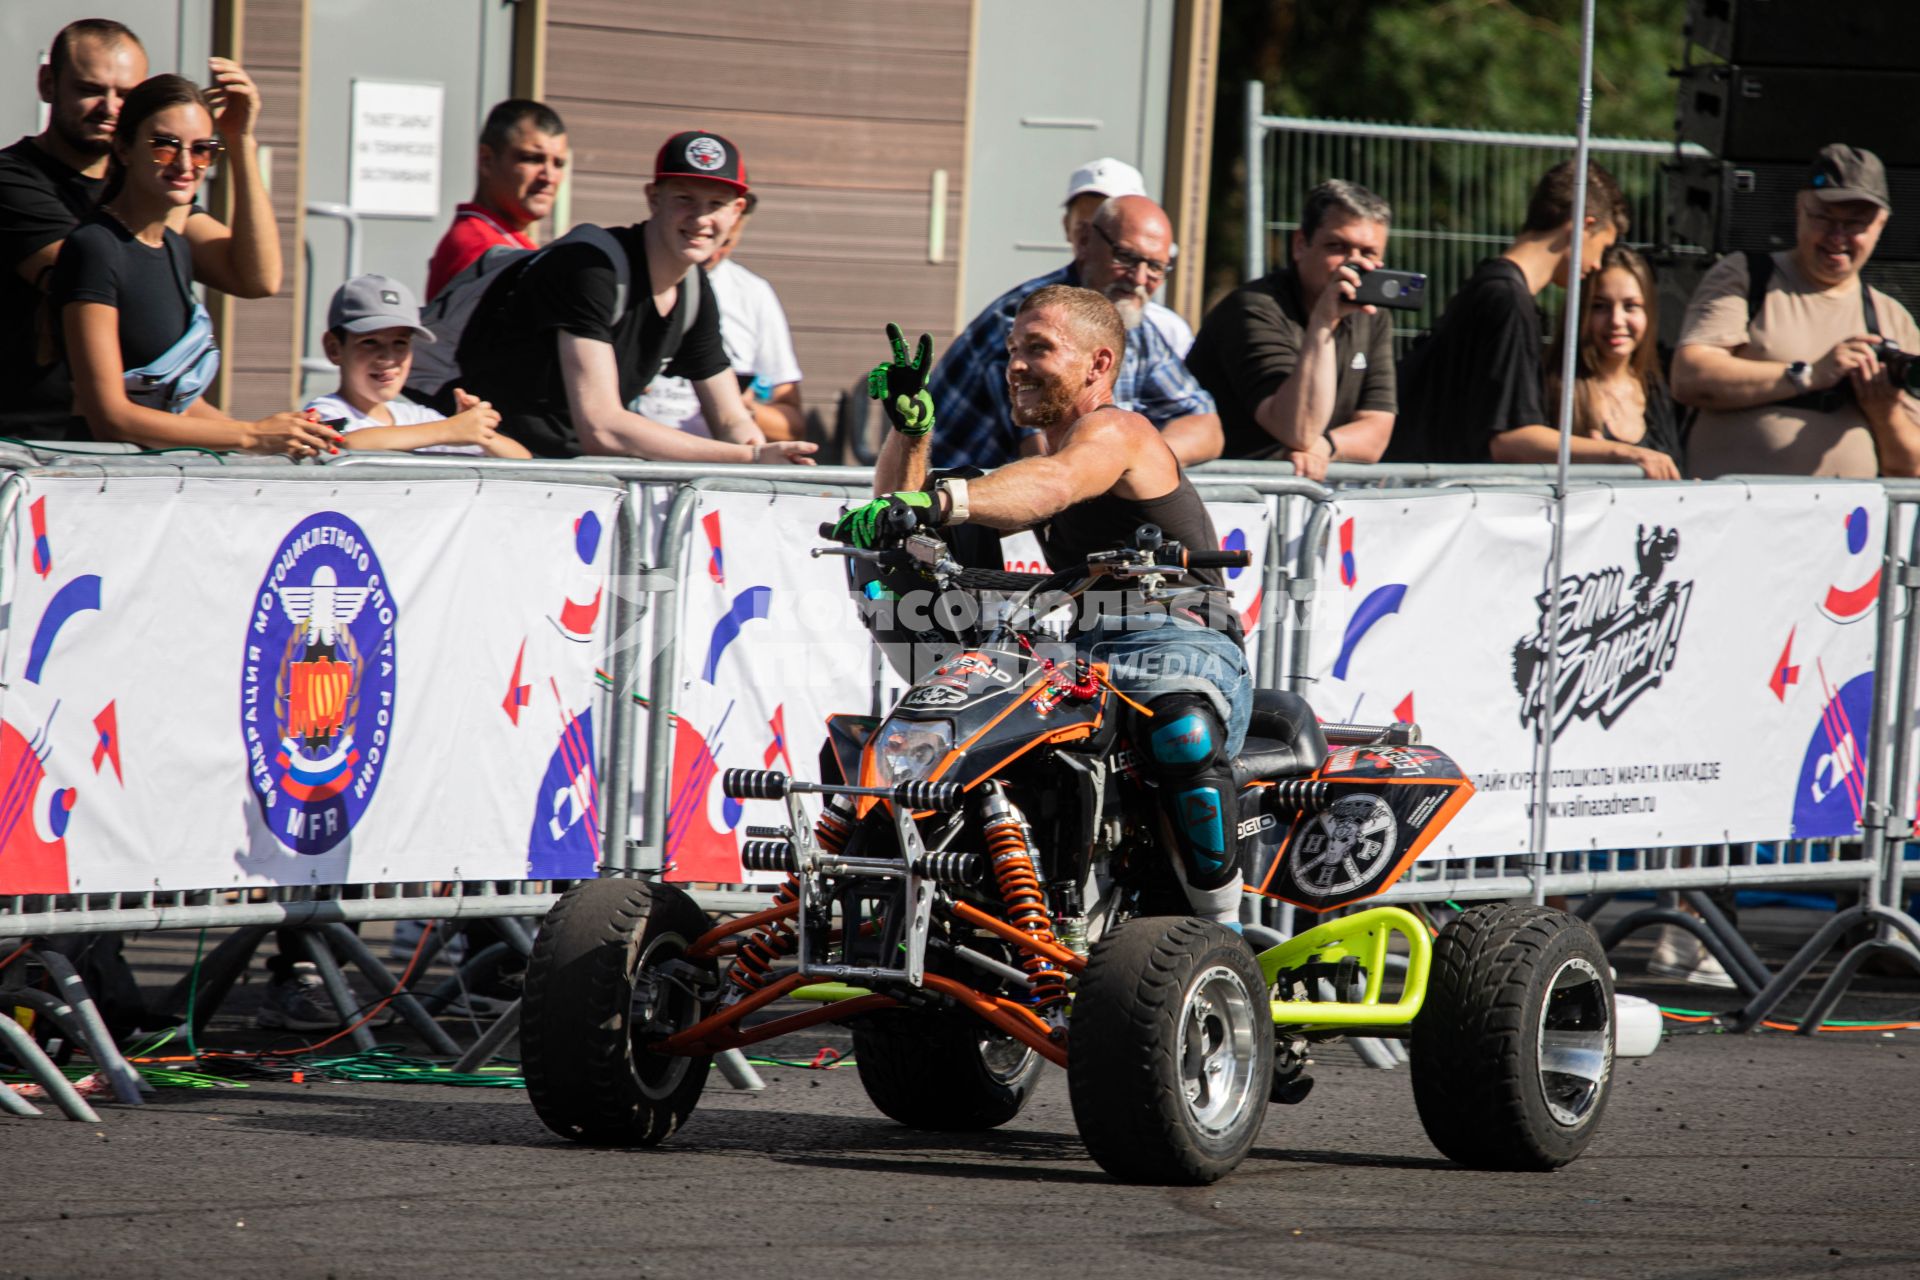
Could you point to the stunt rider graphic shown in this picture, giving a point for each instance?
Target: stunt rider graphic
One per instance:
(1104, 473)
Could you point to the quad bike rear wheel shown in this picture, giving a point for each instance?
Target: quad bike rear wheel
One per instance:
(943, 1069)
(608, 977)
(1170, 1052)
(1512, 1051)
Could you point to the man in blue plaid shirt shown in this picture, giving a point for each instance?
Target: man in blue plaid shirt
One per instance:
(1125, 253)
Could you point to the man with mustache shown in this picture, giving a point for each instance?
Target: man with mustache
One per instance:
(522, 161)
(1124, 253)
(1103, 472)
(51, 181)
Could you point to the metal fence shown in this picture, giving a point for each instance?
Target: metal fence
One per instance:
(1458, 195)
(1870, 867)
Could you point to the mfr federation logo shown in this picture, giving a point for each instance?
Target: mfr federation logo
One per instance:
(1618, 636)
(316, 690)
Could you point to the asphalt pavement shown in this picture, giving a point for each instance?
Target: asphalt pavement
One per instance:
(1719, 1157)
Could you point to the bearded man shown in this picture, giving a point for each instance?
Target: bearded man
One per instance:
(1104, 471)
(1123, 253)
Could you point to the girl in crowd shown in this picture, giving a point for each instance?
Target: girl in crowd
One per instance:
(1621, 410)
(140, 346)
(1619, 396)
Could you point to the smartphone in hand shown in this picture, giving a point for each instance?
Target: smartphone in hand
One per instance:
(1398, 290)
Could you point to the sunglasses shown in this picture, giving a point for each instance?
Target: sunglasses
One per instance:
(203, 153)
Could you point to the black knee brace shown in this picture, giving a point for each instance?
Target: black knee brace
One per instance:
(1185, 745)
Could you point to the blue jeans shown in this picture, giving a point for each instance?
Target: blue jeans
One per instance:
(1146, 661)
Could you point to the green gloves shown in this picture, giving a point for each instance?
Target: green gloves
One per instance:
(901, 386)
(865, 525)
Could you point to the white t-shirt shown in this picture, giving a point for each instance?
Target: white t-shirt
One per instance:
(1172, 327)
(405, 414)
(753, 328)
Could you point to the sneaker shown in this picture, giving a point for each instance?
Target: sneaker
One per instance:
(298, 1003)
(1677, 953)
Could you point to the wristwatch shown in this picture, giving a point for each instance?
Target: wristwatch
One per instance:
(955, 490)
(1800, 374)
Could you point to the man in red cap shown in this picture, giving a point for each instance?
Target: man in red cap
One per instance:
(561, 349)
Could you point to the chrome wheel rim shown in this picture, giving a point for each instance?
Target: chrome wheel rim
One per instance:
(1575, 1046)
(1003, 1058)
(660, 1007)
(1217, 1050)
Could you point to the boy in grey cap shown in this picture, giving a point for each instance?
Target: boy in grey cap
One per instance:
(372, 324)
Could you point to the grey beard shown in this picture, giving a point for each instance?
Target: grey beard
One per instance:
(1132, 306)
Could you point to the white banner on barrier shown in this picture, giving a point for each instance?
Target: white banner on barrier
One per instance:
(770, 644)
(211, 683)
(1716, 653)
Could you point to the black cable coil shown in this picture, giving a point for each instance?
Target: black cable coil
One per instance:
(754, 784)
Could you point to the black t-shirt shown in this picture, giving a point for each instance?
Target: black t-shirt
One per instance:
(103, 262)
(41, 201)
(511, 353)
(1249, 345)
(1663, 427)
(1479, 373)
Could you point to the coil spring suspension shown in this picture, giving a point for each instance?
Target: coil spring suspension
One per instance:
(770, 942)
(1026, 906)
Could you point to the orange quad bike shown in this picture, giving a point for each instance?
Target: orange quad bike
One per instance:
(987, 887)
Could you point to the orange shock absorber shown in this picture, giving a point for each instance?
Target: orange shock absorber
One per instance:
(1020, 889)
(771, 941)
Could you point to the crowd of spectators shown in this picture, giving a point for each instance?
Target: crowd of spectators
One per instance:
(653, 341)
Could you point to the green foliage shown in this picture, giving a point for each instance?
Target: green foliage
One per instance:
(1471, 64)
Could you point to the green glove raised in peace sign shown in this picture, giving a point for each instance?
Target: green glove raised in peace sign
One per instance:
(900, 385)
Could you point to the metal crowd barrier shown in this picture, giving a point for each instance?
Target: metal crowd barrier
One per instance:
(649, 573)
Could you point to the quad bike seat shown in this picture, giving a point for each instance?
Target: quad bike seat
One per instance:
(1283, 739)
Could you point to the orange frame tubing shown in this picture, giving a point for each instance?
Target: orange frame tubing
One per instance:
(704, 944)
(1068, 960)
(731, 1037)
(1016, 1020)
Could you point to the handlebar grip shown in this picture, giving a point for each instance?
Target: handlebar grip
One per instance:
(1218, 559)
(827, 528)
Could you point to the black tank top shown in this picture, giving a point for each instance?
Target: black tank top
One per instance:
(1109, 521)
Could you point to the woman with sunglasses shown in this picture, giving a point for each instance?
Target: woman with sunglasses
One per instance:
(140, 346)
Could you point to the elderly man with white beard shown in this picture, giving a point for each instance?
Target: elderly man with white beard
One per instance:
(1124, 253)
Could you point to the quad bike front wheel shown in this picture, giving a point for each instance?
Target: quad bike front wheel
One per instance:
(1170, 1051)
(943, 1069)
(608, 977)
(1512, 1052)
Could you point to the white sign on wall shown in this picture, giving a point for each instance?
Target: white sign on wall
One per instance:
(394, 165)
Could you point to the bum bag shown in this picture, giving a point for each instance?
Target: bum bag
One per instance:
(180, 374)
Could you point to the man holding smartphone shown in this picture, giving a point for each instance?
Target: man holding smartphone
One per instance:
(1298, 367)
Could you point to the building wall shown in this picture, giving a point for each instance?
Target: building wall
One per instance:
(843, 112)
(261, 337)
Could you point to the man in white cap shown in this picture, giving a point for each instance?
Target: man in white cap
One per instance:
(1090, 186)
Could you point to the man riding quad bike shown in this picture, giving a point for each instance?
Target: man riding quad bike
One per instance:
(988, 883)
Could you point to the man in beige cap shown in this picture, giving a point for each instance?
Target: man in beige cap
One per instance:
(1091, 186)
(1781, 352)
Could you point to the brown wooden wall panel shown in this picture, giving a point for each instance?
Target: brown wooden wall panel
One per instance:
(927, 25)
(262, 345)
(842, 111)
(905, 86)
(804, 222)
(878, 154)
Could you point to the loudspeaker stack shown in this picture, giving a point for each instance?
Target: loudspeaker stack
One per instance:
(1770, 82)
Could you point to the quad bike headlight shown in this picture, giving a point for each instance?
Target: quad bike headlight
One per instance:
(908, 750)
